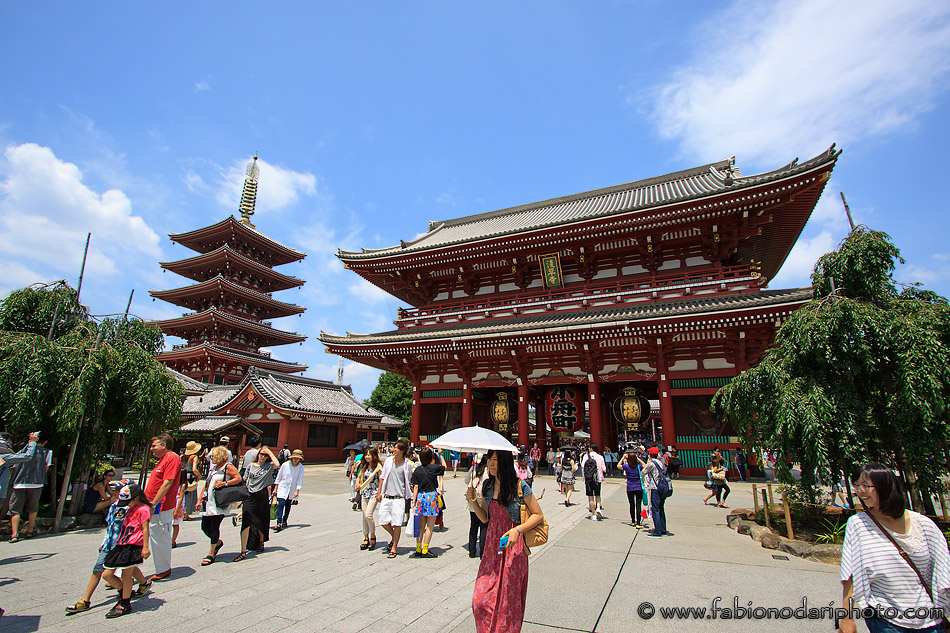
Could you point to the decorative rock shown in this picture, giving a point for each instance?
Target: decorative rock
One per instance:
(796, 548)
(733, 519)
(90, 520)
(744, 527)
(756, 532)
(68, 523)
(770, 541)
(826, 553)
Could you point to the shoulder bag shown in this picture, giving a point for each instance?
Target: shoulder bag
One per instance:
(903, 554)
(226, 495)
(538, 535)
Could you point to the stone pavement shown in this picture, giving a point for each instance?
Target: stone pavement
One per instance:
(591, 576)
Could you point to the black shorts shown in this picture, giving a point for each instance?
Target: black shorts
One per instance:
(593, 488)
(122, 556)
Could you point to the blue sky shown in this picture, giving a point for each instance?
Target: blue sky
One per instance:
(135, 120)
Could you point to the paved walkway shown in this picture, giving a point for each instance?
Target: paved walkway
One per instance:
(591, 576)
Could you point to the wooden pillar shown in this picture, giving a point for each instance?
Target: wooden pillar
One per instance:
(416, 422)
(594, 409)
(523, 426)
(666, 397)
(466, 404)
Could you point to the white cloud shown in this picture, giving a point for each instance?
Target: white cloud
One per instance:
(798, 75)
(202, 86)
(368, 293)
(279, 187)
(797, 269)
(46, 211)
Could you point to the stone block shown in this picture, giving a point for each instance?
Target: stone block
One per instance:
(744, 527)
(732, 520)
(756, 531)
(796, 548)
(826, 553)
(770, 540)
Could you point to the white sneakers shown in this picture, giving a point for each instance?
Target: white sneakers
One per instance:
(600, 514)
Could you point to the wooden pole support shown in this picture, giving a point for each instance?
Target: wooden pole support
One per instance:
(943, 504)
(788, 516)
(765, 504)
(771, 498)
(755, 498)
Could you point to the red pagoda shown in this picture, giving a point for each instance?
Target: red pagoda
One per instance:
(231, 299)
(586, 305)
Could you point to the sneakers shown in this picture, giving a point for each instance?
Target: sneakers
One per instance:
(592, 518)
(142, 589)
(652, 535)
(79, 607)
(119, 610)
(600, 514)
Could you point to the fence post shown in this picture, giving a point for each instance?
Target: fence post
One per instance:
(755, 498)
(765, 504)
(788, 516)
(771, 498)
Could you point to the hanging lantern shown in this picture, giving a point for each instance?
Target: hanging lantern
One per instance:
(502, 413)
(631, 409)
(564, 408)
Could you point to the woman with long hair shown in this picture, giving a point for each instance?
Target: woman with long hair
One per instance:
(893, 560)
(477, 530)
(501, 587)
(367, 486)
(568, 466)
(255, 511)
(425, 491)
(99, 496)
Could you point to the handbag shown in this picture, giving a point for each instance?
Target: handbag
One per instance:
(273, 507)
(538, 535)
(903, 554)
(226, 495)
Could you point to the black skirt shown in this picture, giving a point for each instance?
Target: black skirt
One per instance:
(255, 513)
(122, 556)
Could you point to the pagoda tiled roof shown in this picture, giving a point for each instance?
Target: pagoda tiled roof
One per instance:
(230, 226)
(220, 282)
(309, 396)
(721, 177)
(190, 384)
(213, 314)
(184, 267)
(578, 319)
(218, 351)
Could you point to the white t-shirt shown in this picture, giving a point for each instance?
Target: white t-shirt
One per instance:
(49, 461)
(883, 579)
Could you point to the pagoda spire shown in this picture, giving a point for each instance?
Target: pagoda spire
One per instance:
(249, 195)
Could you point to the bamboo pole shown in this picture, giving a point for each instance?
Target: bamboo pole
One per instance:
(788, 517)
(755, 498)
(771, 498)
(765, 504)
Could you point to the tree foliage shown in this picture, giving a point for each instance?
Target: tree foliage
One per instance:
(102, 375)
(393, 396)
(858, 374)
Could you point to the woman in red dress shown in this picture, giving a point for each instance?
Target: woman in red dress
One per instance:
(502, 584)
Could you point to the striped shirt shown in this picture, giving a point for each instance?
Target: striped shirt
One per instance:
(882, 579)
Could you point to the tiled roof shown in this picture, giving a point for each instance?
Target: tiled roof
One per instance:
(190, 384)
(210, 401)
(579, 318)
(214, 314)
(218, 423)
(224, 351)
(387, 420)
(230, 223)
(641, 195)
(219, 282)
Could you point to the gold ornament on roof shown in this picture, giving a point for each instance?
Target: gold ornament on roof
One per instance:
(249, 195)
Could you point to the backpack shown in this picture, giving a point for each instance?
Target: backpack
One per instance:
(664, 484)
(590, 468)
(283, 456)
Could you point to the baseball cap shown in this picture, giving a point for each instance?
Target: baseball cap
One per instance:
(224, 439)
(654, 450)
(128, 492)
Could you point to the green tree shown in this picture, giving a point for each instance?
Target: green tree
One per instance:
(393, 396)
(97, 376)
(858, 374)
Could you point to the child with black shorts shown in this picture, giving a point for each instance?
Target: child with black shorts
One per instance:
(131, 548)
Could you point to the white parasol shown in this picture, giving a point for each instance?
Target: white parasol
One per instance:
(473, 439)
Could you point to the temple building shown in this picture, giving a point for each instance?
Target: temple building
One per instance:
(232, 297)
(593, 304)
(233, 386)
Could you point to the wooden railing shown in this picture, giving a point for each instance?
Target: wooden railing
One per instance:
(652, 289)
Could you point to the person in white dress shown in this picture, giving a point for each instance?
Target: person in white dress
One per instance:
(221, 473)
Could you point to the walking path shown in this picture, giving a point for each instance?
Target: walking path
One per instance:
(591, 576)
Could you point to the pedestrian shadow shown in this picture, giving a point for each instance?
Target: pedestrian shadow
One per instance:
(183, 544)
(296, 526)
(20, 623)
(181, 572)
(25, 558)
(8, 581)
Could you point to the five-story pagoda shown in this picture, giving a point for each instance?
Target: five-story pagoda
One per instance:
(232, 297)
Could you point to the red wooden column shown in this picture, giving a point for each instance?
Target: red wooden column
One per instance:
(594, 409)
(666, 397)
(523, 426)
(416, 422)
(466, 404)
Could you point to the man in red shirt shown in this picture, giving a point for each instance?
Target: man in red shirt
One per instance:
(162, 492)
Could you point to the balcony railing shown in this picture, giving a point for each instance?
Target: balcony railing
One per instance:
(730, 278)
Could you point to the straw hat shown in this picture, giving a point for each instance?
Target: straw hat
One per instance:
(297, 453)
(192, 447)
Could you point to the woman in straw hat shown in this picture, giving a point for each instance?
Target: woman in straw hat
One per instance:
(288, 482)
(191, 473)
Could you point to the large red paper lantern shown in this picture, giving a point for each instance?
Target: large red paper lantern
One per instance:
(564, 408)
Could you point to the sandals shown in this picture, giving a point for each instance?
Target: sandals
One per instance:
(391, 554)
(372, 544)
(29, 534)
(365, 544)
(207, 560)
(14, 539)
(240, 557)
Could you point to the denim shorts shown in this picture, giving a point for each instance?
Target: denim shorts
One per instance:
(98, 567)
